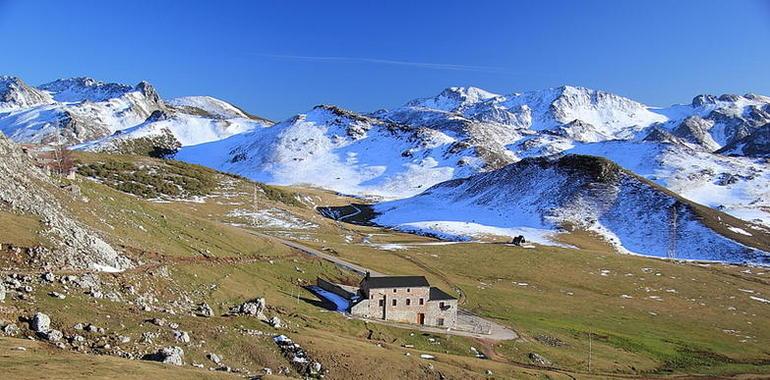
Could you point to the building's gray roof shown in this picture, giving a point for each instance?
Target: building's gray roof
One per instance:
(437, 294)
(396, 282)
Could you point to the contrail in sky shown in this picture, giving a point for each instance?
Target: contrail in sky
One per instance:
(425, 65)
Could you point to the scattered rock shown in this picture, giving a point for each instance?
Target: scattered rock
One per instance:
(94, 329)
(204, 310)
(298, 357)
(57, 295)
(214, 358)
(539, 359)
(54, 335)
(49, 277)
(11, 329)
(255, 308)
(182, 336)
(275, 322)
(549, 340)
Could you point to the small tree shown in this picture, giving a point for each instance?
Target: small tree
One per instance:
(62, 160)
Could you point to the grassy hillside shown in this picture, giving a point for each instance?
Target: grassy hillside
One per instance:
(675, 318)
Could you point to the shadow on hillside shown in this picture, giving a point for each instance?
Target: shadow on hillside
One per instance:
(360, 214)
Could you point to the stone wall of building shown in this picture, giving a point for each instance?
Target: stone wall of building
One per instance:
(441, 313)
(400, 304)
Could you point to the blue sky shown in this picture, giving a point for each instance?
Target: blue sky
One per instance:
(278, 58)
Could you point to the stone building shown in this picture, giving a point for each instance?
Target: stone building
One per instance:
(405, 299)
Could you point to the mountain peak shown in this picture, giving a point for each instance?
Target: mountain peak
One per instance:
(84, 88)
(14, 93)
(452, 99)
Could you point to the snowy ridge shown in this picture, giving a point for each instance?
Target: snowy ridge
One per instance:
(538, 197)
(83, 88)
(338, 149)
(184, 129)
(212, 106)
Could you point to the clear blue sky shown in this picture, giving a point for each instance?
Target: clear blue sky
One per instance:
(278, 58)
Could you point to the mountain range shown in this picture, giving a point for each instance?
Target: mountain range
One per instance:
(486, 152)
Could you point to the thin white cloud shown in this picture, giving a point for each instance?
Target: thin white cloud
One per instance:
(425, 65)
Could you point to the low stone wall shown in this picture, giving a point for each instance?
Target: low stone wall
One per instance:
(334, 288)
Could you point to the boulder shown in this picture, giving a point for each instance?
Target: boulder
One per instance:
(40, 323)
(255, 308)
(214, 358)
(11, 329)
(49, 277)
(204, 310)
(168, 355)
(54, 335)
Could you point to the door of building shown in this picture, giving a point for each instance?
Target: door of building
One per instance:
(421, 318)
(384, 307)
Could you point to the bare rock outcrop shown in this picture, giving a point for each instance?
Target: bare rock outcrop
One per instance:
(26, 189)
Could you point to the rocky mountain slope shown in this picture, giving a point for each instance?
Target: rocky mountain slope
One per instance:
(538, 197)
(27, 190)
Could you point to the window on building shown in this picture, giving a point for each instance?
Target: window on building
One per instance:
(422, 301)
(394, 290)
(394, 302)
(408, 302)
(371, 296)
(441, 305)
(408, 290)
(382, 302)
(440, 321)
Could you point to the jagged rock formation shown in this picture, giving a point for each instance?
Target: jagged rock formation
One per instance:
(695, 130)
(757, 144)
(25, 189)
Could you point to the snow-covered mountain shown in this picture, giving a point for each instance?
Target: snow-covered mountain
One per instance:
(341, 150)
(73, 110)
(109, 116)
(714, 150)
(711, 150)
(184, 122)
(539, 197)
(14, 94)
